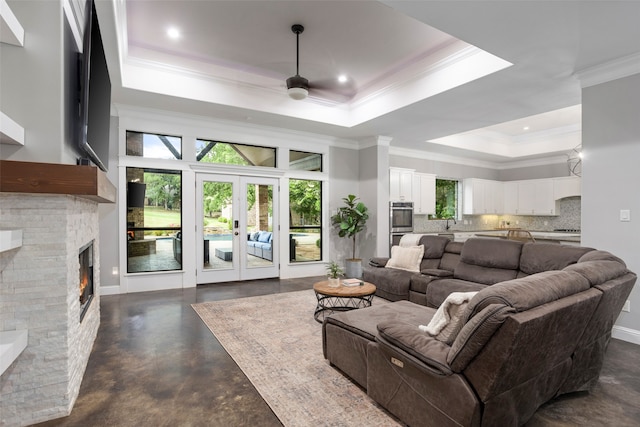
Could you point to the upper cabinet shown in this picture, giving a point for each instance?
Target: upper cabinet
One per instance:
(400, 185)
(510, 195)
(569, 186)
(482, 196)
(424, 193)
(527, 197)
(535, 197)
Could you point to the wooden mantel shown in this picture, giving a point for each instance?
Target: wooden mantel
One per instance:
(87, 182)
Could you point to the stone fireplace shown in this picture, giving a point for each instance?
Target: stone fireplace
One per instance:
(40, 289)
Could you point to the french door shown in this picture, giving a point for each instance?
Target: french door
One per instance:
(236, 228)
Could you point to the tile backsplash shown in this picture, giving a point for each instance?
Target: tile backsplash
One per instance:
(568, 217)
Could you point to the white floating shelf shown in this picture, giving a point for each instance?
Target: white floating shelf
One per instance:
(11, 345)
(10, 239)
(10, 31)
(10, 131)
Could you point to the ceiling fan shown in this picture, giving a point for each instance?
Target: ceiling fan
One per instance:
(298, 87)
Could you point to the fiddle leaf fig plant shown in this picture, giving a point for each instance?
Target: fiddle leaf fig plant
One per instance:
(351, 219)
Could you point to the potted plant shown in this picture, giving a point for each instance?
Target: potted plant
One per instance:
(334, 271)
(350, 220)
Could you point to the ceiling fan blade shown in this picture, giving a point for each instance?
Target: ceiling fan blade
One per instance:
(333, 89)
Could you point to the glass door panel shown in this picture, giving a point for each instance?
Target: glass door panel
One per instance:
(235, 228)
(260, 216)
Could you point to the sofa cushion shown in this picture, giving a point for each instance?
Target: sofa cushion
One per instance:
(538, 257)
(391, 283)
(492, 253)
(433, 246)
(406, 258)
(596, 255)
(531, 291)
(483, 275)
(264, 237)
(419, 345)
(598, 272)
(475, 333)
(488, 261)
(439, 290)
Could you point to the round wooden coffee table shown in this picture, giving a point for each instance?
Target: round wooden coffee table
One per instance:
(342, 298)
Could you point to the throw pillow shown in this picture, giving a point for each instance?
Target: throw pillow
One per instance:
(406, 258)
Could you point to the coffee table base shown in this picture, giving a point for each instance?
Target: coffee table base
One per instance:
(328, 304)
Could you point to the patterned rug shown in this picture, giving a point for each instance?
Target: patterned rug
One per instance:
(277, 343)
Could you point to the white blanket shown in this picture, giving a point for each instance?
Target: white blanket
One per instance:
(447, 321)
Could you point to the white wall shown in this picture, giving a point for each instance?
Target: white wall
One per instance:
(610, 174)
(32, 84)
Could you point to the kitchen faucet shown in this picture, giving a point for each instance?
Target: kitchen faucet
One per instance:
(448, 226)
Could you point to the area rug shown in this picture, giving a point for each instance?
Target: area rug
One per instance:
(277, 343)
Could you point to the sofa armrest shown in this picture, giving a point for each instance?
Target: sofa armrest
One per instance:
(411, 340)
(378, 261)
(436, 272)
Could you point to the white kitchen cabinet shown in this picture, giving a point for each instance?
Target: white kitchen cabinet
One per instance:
(424, 193)
(482, 196)
(510, 198)
(535, 197)
(569, 186)
(400, 185)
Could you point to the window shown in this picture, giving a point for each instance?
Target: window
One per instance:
(153, 146)
(227, 153)
(446, 199)
(305, 225)
(154, 220)
(301, 160)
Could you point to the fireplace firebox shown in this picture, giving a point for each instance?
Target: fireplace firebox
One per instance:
(85, 256)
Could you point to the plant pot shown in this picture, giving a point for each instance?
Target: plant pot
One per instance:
(334, 283)
(353, 268)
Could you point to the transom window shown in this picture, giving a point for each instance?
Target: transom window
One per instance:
(302, 160)
(227, 153)
(153, 146)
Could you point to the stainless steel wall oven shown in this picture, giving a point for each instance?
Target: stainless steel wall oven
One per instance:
(400, 217)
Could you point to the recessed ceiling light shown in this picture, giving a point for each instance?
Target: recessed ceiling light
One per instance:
(526, 128)
(173, 33)
(342, 78)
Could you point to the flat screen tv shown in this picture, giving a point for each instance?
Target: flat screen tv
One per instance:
(95, 93)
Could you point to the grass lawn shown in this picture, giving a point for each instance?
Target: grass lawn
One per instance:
(159, 217)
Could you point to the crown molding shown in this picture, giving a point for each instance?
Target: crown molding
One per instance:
(608, 71)
(445, 158)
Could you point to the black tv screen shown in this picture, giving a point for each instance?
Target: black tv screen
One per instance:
(95, 101)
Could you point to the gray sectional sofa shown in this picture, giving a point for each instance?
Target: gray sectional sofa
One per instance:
(537, 328)
(259, 243)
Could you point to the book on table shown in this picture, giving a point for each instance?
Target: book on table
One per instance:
(352, 282)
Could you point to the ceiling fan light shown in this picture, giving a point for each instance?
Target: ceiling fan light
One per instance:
(297, 87)
(297, 93)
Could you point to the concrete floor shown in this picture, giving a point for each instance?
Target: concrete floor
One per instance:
(155, 363)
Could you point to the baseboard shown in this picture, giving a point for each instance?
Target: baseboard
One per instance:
(626, 334)
(109, 290)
